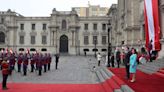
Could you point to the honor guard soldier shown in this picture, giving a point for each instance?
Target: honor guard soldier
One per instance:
(45, 62)
(39, 64)
(11, 59)
(32, 62)
(5, 72)
(20, 59)
(25, 64)
(36, 60)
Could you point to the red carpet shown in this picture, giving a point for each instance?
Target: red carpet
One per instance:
(160, 73)
(144, 82)
(27, 87)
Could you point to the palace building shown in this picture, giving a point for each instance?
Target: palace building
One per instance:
(61, 32)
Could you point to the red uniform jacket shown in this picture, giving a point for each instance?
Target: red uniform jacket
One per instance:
(5, 68)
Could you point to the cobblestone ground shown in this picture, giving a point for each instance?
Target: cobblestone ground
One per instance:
(72, 69)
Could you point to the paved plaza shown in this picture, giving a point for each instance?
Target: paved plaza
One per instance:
(72, 69)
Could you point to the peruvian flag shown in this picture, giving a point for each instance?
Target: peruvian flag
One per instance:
(152, 24)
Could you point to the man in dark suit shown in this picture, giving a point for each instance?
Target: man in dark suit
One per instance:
(49, 61)
(127, 59)
(118, 58)
(150, 47)
(57, 60)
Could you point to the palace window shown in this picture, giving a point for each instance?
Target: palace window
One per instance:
(86, 40)
(43, 49)
(103, 26)
(94, 26)
(21, 39)
(21, 26)
(21, 49)
(33, 26)
(44, 39)
(32, 49)
(32, 39)
(2, 20)
(103, 40)
(64, 24)
(86, 26)
(44, 26)
(95, 40)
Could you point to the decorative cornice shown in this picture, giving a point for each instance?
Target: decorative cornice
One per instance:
(86, 33)
(44, 33)
(22, 33)
(74, 27)
(33, 33)
(104, 33)
(12, 27)
(135, 27)
(95, 33)
(54, 26)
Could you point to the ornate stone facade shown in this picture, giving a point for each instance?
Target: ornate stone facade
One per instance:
(62, 32)
(127, 30)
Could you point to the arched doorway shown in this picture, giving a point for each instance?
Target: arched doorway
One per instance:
(63, 44)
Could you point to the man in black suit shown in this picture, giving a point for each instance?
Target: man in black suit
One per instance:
(57, 60)
(118, 58)
(127, 59)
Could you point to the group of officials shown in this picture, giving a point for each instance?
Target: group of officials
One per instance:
(37, 61)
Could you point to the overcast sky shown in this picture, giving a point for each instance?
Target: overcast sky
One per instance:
(44, 7)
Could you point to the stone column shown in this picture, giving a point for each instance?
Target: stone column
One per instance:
(73, 38)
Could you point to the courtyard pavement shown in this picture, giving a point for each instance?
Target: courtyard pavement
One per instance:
(71, 69)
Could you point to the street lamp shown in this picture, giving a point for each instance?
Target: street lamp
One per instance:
(95, 43)
(109, 44)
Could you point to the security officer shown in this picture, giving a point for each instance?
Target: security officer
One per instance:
(57, 60)
(5, 72)
(49, 61)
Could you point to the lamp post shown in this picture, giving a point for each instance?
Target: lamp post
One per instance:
(95, 46)
(109, 44)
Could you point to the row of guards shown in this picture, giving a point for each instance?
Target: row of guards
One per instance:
(36, 60)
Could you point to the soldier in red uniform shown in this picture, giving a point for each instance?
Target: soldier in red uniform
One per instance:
(25, 64)
(11, 58)
(32, 62)
(40, 63)
(20, 59)
(45, 62)
(5, 72)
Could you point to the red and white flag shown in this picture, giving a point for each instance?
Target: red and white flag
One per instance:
(152, 27)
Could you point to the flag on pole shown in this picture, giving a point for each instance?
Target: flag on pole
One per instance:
(152, 27)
